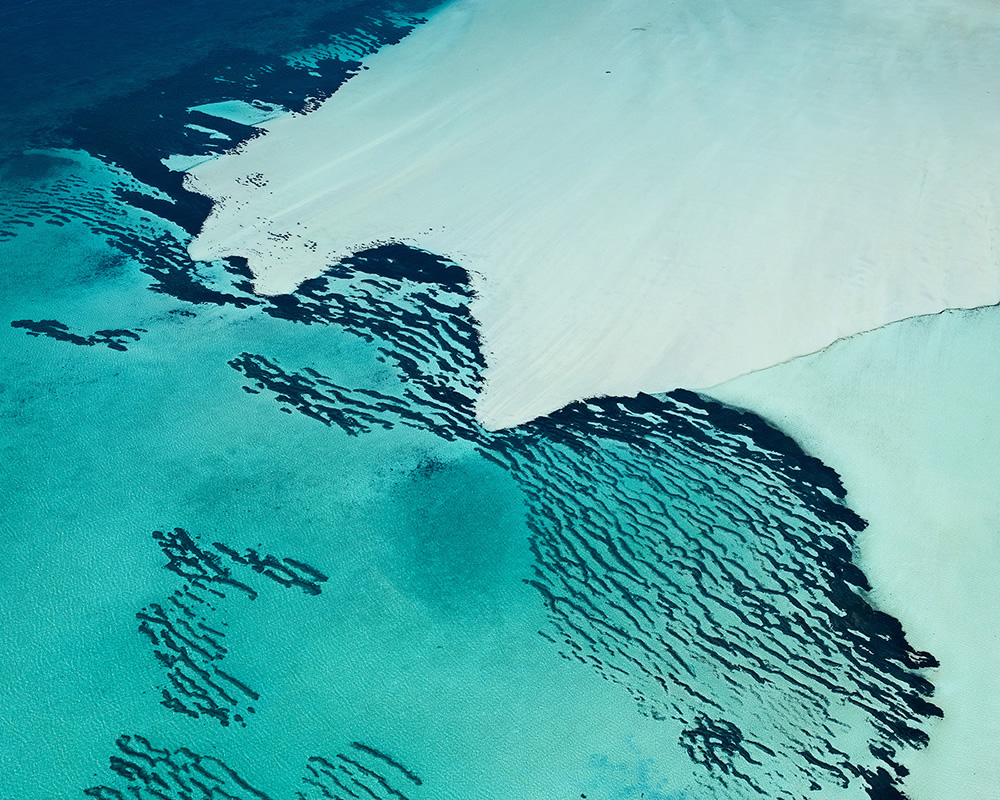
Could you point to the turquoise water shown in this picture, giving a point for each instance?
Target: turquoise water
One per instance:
(259, 547)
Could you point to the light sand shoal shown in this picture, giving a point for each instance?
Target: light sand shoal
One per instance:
(910, 417)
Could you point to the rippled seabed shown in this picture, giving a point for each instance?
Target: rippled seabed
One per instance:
(259, 547)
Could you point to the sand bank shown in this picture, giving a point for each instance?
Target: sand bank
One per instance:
(909, 416)
(651, 195)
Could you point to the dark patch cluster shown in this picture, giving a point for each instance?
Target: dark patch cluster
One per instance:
(421, 326)
(422, 322)
(187, 631)
(685, 550)
(354, 411)
(710, 575)
(145, 772)
(362, 775)
(114, 339)
(718, 746)
(152, 773)
(153, 243)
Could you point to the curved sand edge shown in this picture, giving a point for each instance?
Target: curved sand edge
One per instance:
(908, 415)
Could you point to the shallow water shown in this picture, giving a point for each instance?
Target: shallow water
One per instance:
(260, 547)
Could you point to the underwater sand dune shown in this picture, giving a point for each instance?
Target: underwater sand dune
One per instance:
(651, 195)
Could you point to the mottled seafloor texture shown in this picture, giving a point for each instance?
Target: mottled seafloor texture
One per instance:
(259, 547)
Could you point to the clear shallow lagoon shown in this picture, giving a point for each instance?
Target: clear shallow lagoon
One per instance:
(261, 545)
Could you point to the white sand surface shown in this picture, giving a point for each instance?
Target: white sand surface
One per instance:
(651, 194)
(910, 417)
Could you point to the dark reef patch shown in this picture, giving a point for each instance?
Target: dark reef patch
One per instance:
(187, 631)
(146, 772)
(53, 329)
(684, 550)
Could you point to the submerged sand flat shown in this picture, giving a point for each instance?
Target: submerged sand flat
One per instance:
(908, 416)
(652, 195)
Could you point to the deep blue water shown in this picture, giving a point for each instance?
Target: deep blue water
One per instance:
(259, 547)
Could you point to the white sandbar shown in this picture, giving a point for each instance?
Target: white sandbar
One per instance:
(910, 417)
(651, 194)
